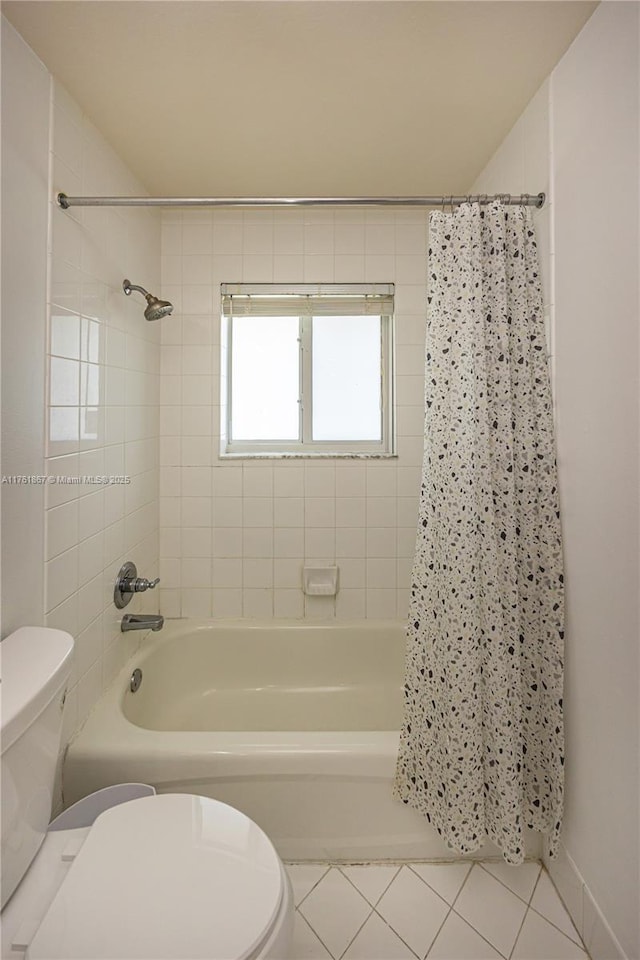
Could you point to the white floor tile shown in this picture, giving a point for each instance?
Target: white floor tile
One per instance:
(371, 880)
(335, 911)
(413, 916)
(491, 909)
(305, 945)
(521, 880)
(538, 940)
(445, 878)
(304, 877)
(377, 941)
(413, 910)
(547, 902)
(458, 941)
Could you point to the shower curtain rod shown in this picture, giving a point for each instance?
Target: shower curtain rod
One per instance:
(526, 199)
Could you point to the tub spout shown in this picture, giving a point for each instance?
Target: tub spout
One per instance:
(142, 621)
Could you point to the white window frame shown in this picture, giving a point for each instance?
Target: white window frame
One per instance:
(304, 446)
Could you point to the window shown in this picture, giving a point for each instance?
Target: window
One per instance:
(307, 370)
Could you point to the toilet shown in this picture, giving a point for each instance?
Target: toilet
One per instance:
(160, 877)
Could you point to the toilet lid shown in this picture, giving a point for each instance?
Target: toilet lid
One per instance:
(165, 878)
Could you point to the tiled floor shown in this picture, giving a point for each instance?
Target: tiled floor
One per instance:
(457, 911)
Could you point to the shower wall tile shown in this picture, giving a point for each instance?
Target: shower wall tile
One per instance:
(103, 383)
(267, 519)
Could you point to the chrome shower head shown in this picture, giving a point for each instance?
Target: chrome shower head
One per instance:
(155, 308)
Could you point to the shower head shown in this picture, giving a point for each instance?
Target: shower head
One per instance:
(155, 308)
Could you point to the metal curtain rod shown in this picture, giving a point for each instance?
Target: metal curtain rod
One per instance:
(526, 199)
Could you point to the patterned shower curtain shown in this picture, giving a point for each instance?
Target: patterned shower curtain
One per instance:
(481, 748)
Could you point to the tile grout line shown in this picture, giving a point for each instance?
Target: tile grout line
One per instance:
(328, 868)
(453, 910)
(463, 885)
(509, 888)
(373, 910)
(578, 942)
(448, 914)
(314, 932)
(517, 937)
(332, 867)
(366, 919)
(395, 932)
(449, 905)
(373, 905)
(384, 919)
(526, 914)
(481, 935)
(450, 911)
(357, 931)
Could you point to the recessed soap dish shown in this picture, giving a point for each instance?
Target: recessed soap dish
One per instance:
(320, 581)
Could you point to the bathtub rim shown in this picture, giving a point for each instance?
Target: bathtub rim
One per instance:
(178, 626)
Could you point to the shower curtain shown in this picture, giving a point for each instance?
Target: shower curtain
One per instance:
(481, 748)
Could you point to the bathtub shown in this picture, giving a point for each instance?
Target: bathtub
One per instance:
(296, 724)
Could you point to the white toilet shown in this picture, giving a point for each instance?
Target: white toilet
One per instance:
(170, 877)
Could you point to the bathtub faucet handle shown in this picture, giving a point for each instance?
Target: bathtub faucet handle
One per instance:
(128, 582)
(140, 584)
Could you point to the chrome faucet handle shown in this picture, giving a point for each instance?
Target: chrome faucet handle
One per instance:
(128, 582)
(140, 584)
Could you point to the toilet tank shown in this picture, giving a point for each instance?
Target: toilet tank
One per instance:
(35, 667)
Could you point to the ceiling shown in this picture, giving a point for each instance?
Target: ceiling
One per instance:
(332, 98)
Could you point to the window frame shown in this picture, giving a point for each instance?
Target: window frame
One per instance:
(305, 446)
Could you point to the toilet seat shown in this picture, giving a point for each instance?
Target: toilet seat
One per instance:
(165, 878)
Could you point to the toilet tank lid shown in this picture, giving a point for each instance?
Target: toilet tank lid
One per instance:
(35, 662)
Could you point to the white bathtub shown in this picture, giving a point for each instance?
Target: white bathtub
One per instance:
(296, 724)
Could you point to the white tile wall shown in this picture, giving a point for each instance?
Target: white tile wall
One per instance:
(102, 389)
(300, 511)
(235, 535)
(26, 86)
